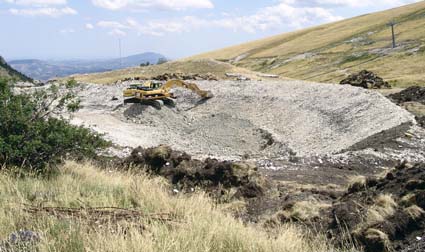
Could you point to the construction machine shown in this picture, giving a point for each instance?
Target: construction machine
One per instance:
(152, 91)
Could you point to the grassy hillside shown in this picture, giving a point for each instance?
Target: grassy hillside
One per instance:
(328, 53)
(7, 71)
(191, 223)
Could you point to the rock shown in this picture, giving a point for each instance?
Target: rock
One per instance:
(24, 240)
(23, 236)
(365, 79)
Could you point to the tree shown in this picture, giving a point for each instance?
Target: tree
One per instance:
(33, 135)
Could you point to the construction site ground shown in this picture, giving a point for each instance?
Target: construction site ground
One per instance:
(301, 132)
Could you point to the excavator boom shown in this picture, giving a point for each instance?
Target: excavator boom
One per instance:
(191, 86)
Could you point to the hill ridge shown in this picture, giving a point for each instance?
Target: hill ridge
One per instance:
(329, 52)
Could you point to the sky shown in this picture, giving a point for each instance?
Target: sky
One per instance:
(92, 29)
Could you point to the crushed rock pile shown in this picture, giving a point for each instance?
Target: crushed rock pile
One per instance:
(411, 94)
(366, 79)
(174, 76)
(384, 214)
(182, 76)
(242, 118)
(217, 177)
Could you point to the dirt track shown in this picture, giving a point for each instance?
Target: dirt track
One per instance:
(246, 119)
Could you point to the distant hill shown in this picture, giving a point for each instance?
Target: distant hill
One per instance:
(7, 71)
(44, 70)
(330, 52)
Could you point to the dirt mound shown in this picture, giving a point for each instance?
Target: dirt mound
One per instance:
(174, 76)
(411, 94)
(182, 76)
(365, 79)
(240, 179)
(384, 214)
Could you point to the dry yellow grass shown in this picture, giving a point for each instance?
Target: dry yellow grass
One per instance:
(341, 48)
(356, 183)
(307, 210)
(383, 207)
(414, 211)
(201, 225)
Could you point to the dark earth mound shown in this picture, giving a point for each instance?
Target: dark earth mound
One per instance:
(365, 79)
(411, 94)
(217, 177)
(386, 213)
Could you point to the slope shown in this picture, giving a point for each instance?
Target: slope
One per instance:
(329, 52)
(7, 71)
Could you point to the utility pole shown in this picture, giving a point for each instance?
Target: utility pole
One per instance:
(392, 24)
(119, 45)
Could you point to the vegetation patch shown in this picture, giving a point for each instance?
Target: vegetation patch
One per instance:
(355, 57)
(32, 136)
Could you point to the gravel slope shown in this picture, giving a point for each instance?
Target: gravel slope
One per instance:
(251, 118)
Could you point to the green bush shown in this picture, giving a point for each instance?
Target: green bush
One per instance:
(32, 134)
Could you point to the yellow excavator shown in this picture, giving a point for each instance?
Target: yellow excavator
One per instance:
(151, 91)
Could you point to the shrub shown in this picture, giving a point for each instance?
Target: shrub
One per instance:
(34, 136)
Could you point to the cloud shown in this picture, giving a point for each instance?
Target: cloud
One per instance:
(67, 31)
(277, 16)
(112, 25)
(89, 26)
(37, 2)
(48, 12)
(348, 3)
(283, 15)
(273, 17)
(153, 4)
(117, 33)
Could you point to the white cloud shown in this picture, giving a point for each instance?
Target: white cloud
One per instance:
(274, 17)
(348, 3)
(280, 15)
(89, 26)
(154, 4)
(37, 2)
(48, 12)
(117, 33)
(112, 25)
(283, 15)
(67, 31)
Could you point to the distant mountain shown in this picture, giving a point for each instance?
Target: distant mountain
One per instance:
(48, 69)
(7, 71)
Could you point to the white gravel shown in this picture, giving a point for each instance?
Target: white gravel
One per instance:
(309, 118)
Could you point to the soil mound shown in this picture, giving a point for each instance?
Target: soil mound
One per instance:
(182, 76)
(384, 214)
(411, 94)
(239, 179)
(366, 79)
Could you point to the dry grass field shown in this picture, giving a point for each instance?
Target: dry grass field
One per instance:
(193, 222)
